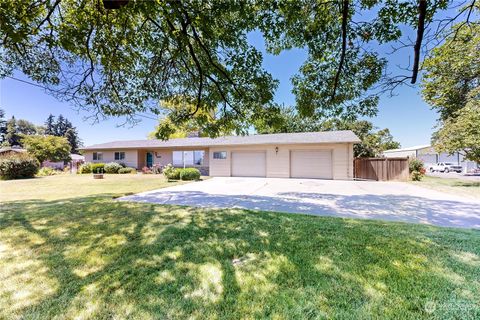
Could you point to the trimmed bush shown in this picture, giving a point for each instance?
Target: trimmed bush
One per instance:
(85, 168)
(189, 174)
(98, 167)
(171, 173)
(112, 167)
(47, 171)
(127, 170)
(18, 166)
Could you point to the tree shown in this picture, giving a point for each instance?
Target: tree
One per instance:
(12, 138)
(50, 125)
(73, 140)
(123, 61)
(26, 127)
(452, 86)
(452, 72)
(461, 133)
(50, 148)
(3, 126)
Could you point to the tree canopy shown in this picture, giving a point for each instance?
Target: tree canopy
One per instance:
(50, 148)
(452, 86)
(124, 61)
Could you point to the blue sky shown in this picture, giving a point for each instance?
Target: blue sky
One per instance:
(409, 119)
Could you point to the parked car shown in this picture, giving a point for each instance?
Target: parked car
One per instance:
(445, 167)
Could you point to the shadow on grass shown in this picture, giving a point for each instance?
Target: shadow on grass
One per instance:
(107, 259)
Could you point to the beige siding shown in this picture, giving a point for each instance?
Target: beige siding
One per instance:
(131, 159)
(278, 163)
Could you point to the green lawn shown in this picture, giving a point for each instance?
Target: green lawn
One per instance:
(464, 188)
(73, 252)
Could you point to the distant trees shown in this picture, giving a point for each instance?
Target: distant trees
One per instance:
(12, 131)
(12, 137)
(3, 126)
(62, 127)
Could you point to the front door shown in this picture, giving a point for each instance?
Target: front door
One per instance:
(149, 159)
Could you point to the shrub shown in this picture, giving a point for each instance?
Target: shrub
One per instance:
(98, 167)
(112, 167)
(47, 171)
(416, 176)
(18, 166)
(415, 165)
(171, 173)
(85, 168)
(416, 169)
(189, 174)
(127, 170)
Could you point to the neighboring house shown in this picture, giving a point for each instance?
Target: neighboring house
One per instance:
(324, 155)
(428, 155)
(8, 150)
(73, 164)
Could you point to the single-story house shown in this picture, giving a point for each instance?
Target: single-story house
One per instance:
(73, 164)
(322, 155)
(428, 155)
(9, 150)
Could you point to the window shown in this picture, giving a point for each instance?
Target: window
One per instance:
(119, 155)
(178, 158)
(188, 158)
(220, 155)
(97, 156)
(198, 157)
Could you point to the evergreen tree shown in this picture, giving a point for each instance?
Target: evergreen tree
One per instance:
(73, 139)
(60, 126)
(3, 126)
(50, 125)
(12, 138)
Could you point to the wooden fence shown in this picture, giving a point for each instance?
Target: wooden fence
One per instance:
(381, 169)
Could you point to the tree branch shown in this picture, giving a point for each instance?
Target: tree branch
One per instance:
(422, 12)
(344, 46)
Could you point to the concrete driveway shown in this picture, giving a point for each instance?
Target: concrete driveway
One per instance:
(349, 199)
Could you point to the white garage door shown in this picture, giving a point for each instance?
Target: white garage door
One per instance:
(311, 164)
(248, 164)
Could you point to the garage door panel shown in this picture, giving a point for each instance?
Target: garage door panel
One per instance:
(315, 164)
(248, 164)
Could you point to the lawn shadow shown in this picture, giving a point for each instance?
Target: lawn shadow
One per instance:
(119, 259)
(390, 207)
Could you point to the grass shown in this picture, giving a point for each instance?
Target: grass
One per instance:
(460, 187)
(77, 253)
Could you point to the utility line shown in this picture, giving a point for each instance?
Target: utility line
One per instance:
(151, 117)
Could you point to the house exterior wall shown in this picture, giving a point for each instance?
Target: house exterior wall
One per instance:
(278, 163)
(131, 157)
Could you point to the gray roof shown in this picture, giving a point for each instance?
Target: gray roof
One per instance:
(346, 136)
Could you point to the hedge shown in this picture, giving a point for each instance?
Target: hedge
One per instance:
(127, 170)
(189, 174)
(112, 167)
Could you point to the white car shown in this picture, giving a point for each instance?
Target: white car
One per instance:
(445, 167)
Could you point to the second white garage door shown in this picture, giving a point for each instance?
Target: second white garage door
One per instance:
(248, 164)
(311, 164)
